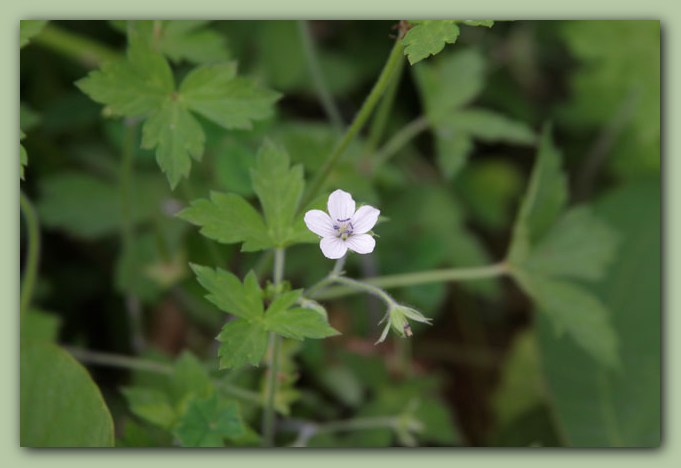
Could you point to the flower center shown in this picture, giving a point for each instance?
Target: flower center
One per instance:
(343, 228)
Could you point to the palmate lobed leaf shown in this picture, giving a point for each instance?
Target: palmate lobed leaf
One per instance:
(297, 323)
(229, 294)
(229, 218)
(242, 343)
(142, 85)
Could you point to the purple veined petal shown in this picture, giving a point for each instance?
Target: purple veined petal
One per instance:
(333, 247)
(320, 223)
(341, 206)
(362, 244)
(364, 219)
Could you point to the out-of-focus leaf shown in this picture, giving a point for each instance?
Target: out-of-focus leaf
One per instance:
(40, 326)
(88, 207)
(489, 188)
(23, 160)
(208, 421)
(544, 200)
(522, 386)
(341, 382)
(28, 29)
(152, 405)
(619, 78)
(60, 404)
(192, 40)
(598, 406)
(579, 245)
(446, 86)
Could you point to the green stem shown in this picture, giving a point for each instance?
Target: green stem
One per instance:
(132, 363)
(33, 253)
(366, 287)
(360, 119)
(411, 279)
(127, 229)
(400, 139)
(268, 417)
(80, 49)
(380, 120)
(317, 75)
(335, 272)
(309, 430)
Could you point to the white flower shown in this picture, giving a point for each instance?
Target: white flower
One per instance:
(343, 228)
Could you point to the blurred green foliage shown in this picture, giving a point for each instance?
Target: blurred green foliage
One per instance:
(114, 272)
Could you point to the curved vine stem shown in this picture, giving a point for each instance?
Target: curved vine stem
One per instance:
(384, 79)
(33, 253)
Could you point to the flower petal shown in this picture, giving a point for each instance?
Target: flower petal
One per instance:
(364, 219)
(341, 205)
(333, 247)
(319, 222)
(362, 244)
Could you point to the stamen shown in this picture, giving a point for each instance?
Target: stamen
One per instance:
(343, 220)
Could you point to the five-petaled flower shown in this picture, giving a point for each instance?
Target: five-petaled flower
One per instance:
(343, 228)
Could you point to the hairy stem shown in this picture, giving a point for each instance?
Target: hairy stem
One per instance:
(380, 120)
(268, 416)
(361, 118)
(83, 50)
(317, 75)
(411, 279)
(32, 255)
(353, 284)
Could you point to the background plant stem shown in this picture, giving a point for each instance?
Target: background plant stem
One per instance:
(80, 49)
(317, 75)
(361, 118)
(32, 255)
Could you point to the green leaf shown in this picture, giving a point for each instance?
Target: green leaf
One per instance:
(229, 219)
(279, 189)
(177, 137)
(296, 323)
(134, 87)
(190, 378)
(208, 421)
(427, 38)
(229, 294)
(216, 93)
(60, 405)
(579, 245)
(242, 342)
(491, 127)
(522, 385)
(193, 41)
(152, 405)
(597, 406)
(544, 200)
(450, 82)
(574, 310)
(88, 207)
(41, 326)
(28, 29)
